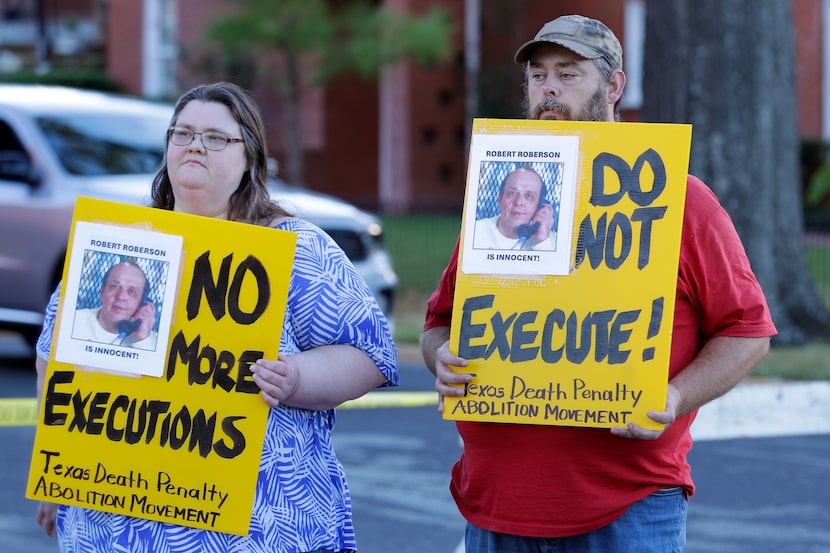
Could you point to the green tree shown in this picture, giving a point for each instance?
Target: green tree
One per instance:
(305, 43)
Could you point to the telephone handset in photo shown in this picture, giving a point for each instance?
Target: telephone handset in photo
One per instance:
(126, 327)
(527, 230)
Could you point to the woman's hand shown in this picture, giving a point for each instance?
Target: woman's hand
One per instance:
(46, 513)
(331, 374)
(278, 379)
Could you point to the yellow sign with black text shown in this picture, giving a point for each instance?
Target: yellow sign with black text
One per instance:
(182, 447)
(574, 330)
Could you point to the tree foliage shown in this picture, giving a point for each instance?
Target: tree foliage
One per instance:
(297, 44)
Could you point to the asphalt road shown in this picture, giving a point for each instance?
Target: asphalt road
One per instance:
(762, 495)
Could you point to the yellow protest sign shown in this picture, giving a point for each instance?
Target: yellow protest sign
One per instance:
(576, 329)
(182, 447)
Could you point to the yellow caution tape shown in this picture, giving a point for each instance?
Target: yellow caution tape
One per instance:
(23, 411)
(376, 400)
(18, 411)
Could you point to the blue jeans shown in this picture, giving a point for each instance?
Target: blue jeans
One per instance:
(656, 524)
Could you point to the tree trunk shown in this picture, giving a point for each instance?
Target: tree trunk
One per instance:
(293, 131)
(728, 68)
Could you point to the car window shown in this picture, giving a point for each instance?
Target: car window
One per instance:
(106, 145)
(15, 164)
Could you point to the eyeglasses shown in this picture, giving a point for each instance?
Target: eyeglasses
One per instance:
(211, 140)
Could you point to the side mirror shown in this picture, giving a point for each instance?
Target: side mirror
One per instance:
(273, 167)
(16, 166)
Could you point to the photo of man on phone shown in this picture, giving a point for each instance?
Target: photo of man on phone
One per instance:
(126, 315)
(525, 218)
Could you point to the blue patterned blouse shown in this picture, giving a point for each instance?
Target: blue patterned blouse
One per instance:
(302, 500)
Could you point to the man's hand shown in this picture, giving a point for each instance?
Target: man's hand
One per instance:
(663, 417)
(717, 368)
(147, 314)
(447, 381)
(543, 216)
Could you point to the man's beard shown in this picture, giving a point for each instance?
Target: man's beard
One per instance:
(595, 108)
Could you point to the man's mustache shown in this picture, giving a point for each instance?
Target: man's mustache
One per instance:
(551, 104)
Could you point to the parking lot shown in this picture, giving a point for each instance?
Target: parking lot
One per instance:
(760, 463)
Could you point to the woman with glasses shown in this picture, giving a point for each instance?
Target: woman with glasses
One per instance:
(215, 165)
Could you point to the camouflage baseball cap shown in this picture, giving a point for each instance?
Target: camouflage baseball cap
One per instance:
(587, 37)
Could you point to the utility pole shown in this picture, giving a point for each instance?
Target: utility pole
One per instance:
(472, 61)
(42, 39)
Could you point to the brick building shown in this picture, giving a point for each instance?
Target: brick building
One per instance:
(398, 144)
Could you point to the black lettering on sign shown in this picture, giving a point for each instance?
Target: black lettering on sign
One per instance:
(574, 335)
(222, 294)
(207, 366)
(629, 178)
(611, 241)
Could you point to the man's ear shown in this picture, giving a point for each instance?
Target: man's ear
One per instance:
(616, 86)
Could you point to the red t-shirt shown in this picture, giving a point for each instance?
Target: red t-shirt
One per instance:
(555, 481)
